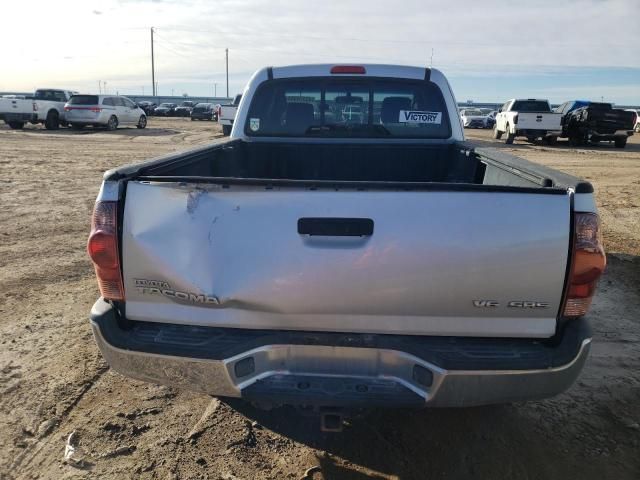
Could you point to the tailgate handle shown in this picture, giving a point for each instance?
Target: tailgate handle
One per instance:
(335, 227)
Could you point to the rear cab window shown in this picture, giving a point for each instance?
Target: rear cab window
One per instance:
(339, 107)
(51, 95)
(531, 106)
(84, 100)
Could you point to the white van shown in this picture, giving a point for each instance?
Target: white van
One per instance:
(108, 111)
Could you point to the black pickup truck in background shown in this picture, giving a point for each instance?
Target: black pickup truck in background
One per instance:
(595, 122)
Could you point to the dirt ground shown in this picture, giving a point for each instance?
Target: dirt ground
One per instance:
(53, 380)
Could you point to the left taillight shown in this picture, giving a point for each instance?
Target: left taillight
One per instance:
(102, 248)
(589, 261)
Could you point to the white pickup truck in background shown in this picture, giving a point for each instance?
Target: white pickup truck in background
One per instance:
(46, 106)
(227, 114)
(529, 118)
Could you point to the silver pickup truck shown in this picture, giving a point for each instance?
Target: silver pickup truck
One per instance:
(329, 260)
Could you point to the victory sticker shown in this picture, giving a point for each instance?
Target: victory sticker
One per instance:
(254, 124)
(414, 116)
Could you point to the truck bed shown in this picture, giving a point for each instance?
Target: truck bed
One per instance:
(394, 166)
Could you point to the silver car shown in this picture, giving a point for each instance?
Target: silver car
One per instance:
(108, 111)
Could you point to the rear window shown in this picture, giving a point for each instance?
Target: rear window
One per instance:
(51, 95)
(531, 106)
(84, 100)
(339, 107)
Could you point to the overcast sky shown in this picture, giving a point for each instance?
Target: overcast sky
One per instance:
(490, 50)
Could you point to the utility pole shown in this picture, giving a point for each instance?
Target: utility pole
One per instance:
(215, 89)
(153, 68)
(104, 86)
(226, 51)
(99, 86)
(431, 63)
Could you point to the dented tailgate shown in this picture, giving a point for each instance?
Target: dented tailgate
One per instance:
(472, 263)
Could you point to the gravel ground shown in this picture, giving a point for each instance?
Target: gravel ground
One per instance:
(53, 380)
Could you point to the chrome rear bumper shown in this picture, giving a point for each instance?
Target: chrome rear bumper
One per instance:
(350, 376)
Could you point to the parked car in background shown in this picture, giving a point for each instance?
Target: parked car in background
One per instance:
(530, 117)
(108, 111)
(203, 111)
(165, 110)
(148, 107)
(597, 122)
(474, 118)
(636, 128)
(46, 106)
(384, 263)
(227, 114)
(184, 109)
(489, 112)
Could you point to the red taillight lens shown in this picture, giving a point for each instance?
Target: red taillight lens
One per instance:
(349, 69)
(102, 247)
(67, 109)
(96, 109)
(515, 119)
(589, 261)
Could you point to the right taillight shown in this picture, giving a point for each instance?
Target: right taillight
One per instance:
(588, 264)
(102, 247)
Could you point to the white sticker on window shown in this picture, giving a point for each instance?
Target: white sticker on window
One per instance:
(415, 116)
(254, 124)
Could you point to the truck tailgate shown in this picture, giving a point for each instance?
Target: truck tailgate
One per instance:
(9, 106)
(539, 121)
(473, 263)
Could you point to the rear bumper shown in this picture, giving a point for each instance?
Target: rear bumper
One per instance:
(532, 132)
(18, 117)
(327, 369)
(610, 135)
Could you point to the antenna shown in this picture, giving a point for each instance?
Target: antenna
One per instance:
(226, 51)
(153, 68)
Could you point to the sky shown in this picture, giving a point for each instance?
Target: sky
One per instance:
(490, 50)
